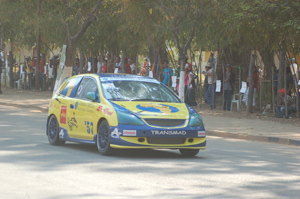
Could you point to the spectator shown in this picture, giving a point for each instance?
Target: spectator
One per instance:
(50, 74)
(280, 108)
(190, 66)
(167, 73)
(99, 63)
(118, 64)
(294, 68)
(191, 90)
(76, 68)
(127, 66)
(29, 70)
(177, 72)
(144, 70)
(209, 93)
(229, 80)
(89, 66)
(104, 67)
(186, 84)
(212, 61)
(132, 66)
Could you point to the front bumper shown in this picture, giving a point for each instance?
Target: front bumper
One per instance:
(131, 136)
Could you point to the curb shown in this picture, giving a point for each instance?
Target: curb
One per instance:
(254, 138)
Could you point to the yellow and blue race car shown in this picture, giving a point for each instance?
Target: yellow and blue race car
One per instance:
(116, 111)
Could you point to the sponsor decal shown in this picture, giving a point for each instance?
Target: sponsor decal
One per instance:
(63, 133)
(72, 122)
(168, 132)
(116, 133)
(201, 133)
(63, 114)
(105, 111)
(89, 127)
(129, 132)
(157, 108)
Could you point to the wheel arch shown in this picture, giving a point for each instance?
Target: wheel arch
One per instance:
(48, 118)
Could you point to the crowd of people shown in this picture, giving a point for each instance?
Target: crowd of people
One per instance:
(48, 72)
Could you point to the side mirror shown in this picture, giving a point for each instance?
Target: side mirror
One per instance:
(91, 96)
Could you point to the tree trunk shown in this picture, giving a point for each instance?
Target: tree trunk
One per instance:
(251, 83)
(38, 49)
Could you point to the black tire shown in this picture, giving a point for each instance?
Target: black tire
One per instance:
(53, 131)
(103, 139)
(189, 152)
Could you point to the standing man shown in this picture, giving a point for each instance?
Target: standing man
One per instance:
(127, 66)
(132, 66)
(29, 72)
(50, 74)
(294, 68)
(104, 68)
(118, 64)
(209, 93)
(229, 79)
(167, 73)
(212, 61)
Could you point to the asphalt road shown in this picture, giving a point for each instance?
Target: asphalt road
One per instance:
(32, 168)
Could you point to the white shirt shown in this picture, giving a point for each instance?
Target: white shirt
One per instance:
(2, 56)
(133, 67)
(294, 69)
(50, 71)
(119, 65)
(209, 77)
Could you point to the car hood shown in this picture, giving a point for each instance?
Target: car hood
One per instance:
(159, 110)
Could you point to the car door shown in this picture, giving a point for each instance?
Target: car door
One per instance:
(67, 103)
(86, 108)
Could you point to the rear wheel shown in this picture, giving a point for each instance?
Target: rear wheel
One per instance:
(103, 139)
(189, 152)
(53, 131)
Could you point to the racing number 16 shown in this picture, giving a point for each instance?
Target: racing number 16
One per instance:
(89, 126)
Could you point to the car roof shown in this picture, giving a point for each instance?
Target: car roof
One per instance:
(125, 76)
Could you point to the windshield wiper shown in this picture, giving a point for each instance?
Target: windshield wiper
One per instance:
(118, 99)
(153, 100)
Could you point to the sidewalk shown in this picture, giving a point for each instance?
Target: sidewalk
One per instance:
(217, 123)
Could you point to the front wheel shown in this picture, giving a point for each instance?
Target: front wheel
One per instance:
(103, 139)
(53, 131)
(189, 152)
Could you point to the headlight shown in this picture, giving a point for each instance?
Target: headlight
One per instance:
(128, 118)
(196, 120)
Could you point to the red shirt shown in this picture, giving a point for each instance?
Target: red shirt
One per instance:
(104, 69)
(128, 69)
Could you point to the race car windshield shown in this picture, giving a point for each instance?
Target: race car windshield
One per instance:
(122, 90)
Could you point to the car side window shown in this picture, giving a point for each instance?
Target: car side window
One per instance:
(87, 85)
(70, 87)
